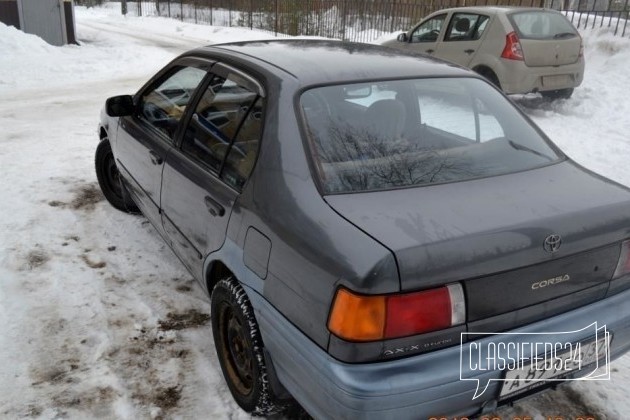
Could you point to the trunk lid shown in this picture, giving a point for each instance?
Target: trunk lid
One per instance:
(490, 233)
(547, 38)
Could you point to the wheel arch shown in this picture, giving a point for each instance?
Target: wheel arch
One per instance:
(216, 270)
(488, 72)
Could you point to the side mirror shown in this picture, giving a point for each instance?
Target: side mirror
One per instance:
(402, 37)
(119, 106)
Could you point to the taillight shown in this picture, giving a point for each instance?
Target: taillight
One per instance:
(581, 53)
(355, 317)
(623, 265)
(512, 49)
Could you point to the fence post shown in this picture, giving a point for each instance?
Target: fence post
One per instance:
(276, 20)
(625, 10)
(123, 7)
(211, 21)
(181, 10)
(392, 15)
(343, 20)
(251, 14)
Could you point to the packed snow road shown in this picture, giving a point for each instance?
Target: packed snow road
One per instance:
(97, 316)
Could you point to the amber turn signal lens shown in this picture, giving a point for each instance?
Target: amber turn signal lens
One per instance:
(370, 318)
(356, 317)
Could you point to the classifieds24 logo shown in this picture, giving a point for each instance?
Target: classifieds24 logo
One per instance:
(523, 361)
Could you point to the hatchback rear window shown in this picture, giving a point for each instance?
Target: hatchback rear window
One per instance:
(541, 24)
(405, 133)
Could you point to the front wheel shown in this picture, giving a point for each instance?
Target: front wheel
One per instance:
(557, 94)
(109, 179)
(240, 349)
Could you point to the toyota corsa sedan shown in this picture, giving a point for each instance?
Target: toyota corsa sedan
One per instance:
(365, 221)
(519, 49)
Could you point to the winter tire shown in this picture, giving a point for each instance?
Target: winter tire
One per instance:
(240, 349)
(109, 179)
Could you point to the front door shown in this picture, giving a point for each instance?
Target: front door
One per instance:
(203, 177)
(144, 139)
(424, 38)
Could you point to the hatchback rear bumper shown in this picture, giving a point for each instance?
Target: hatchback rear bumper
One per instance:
(516, 77)
(413, 387)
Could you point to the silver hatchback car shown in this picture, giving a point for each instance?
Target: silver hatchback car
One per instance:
(520, 49)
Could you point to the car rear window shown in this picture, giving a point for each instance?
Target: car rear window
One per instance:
(542, 24)
(404, 133)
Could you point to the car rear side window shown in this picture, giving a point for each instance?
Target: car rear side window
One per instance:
(466, 27)
(542, 24)
(243, 151)
(163, 106)
(225, 130)
(404, 133)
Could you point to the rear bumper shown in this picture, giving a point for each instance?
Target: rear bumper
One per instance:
(516, 77)
(414, 387)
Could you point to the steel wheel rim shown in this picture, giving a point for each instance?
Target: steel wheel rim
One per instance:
(237, 354)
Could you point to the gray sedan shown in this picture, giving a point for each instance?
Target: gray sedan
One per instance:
(366, 223)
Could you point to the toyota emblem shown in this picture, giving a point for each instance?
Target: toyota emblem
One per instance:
(552, 243)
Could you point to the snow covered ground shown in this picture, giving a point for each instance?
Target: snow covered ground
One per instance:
(97, 316)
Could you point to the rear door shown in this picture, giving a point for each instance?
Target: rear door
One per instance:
(463, 37)
(547, 38)
(144, 139)
(205, 174)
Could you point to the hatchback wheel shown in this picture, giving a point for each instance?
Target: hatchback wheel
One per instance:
(557, 94)
(109, 179)
(240, 350)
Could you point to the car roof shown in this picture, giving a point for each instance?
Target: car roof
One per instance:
(491, 9)
(327, 62)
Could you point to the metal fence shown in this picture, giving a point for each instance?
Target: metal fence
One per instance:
(360, 20)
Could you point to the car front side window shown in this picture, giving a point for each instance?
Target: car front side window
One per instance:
(428, 31)
(163, 106)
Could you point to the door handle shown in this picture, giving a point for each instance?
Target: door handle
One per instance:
(469, 51)
(430, 51)
(213, 207)
(155, 158)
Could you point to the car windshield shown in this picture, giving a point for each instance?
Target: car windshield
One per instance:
(405, 133)
(541, 24)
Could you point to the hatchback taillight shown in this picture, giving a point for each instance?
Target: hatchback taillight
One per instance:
(512, 49)
(623, 265)
(355, 317)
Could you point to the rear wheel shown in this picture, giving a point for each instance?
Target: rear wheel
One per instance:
(557, 94)
(109, 179)
(240, 350)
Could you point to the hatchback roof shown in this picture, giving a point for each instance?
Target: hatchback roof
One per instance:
(326, 61)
